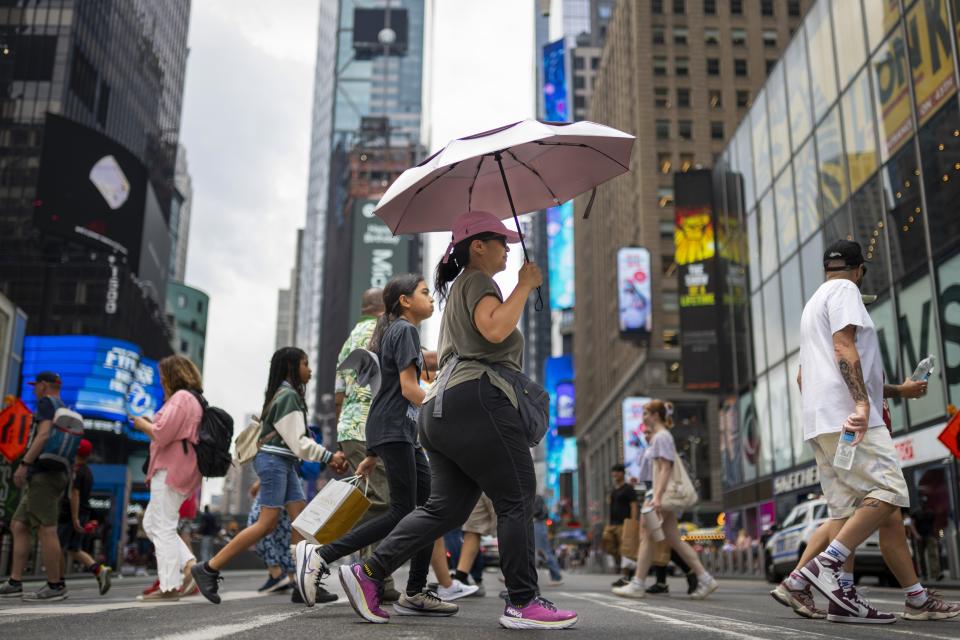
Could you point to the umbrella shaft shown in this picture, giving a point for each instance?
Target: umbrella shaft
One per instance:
(513, 209)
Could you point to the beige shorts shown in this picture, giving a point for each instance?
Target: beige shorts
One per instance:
(875, 473)
(483, 519)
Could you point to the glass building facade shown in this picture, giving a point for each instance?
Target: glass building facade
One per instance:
(855, 135)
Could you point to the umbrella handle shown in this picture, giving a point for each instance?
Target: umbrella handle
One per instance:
(513, 209)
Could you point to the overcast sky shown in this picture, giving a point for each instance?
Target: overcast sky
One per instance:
(246, 127)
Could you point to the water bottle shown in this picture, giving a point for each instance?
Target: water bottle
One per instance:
(845, 450)
(924, 369)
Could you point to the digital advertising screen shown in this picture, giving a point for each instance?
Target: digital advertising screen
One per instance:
(634, 434)
(555, 105)
(633, 290)
(560, 256)
(104, 379)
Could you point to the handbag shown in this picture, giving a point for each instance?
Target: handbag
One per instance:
(630, 538)
(248, 442)
(680, 493)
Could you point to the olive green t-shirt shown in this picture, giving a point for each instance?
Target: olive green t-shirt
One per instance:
(459, 335)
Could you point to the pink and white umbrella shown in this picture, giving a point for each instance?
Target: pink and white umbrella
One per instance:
(511, 170)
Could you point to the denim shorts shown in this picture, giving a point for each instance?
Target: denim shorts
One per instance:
(279, 483)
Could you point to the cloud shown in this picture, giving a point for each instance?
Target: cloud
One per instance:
(246, 127)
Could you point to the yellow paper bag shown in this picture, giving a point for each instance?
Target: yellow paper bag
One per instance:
(333, 512)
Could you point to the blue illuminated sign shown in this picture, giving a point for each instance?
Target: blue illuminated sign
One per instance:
(555, 105)
(560, 256)
(104, 379)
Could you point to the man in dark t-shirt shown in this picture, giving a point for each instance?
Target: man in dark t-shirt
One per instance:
(75, 523)
(623, 505)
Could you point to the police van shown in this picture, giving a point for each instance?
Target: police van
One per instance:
(784, 548)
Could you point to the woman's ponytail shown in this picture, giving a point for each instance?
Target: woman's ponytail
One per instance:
(454, 262)
(401, 285)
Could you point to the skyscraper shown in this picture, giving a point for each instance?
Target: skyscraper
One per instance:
(366, 131)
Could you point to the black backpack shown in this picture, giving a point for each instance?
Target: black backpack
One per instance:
(213, 440)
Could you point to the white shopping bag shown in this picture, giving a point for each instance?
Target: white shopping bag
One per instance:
(333, 512)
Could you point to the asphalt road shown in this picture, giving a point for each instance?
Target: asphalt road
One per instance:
(739, 610)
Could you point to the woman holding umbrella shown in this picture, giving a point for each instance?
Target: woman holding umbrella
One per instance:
(479, 443)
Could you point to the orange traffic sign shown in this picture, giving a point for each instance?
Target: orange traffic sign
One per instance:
(15, 422)
(950, 437)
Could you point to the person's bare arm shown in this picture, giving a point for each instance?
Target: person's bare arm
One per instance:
(848, 360)
(496, 320)
(410, 386)
(75, 509)
(908, 389)
(338, 399)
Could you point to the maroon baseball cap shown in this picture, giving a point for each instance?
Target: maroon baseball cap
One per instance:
(473, 223)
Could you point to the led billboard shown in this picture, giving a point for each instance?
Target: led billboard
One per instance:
(633, 290)
(555, 105)
(560, 256)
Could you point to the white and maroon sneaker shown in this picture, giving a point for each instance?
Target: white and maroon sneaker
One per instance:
(539, 613)
(823, 573)
(866, 613)
(935, 608)
(800, 600)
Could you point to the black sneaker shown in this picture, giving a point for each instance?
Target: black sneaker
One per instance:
(208, 582)
(322, 595)
(11, 591)
(692, 583)
(621, 582)
(658, 588)
(275, 584)
(103, 579)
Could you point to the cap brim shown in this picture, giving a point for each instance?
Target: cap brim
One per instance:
(512, 237)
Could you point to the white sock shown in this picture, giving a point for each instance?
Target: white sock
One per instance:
(916, 594)
(704, 577)
(846, 579)
(637, 581)
(796, 581)
(837, 551)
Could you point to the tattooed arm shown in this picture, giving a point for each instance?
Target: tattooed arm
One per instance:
(848, 360)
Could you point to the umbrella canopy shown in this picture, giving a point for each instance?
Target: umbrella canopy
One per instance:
(511, 170)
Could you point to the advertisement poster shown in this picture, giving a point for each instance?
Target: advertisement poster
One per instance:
(377, 254)
(928, 33)
(892, 92)
(560, 256)
(634, 438)
(633, 290)
(555, 106)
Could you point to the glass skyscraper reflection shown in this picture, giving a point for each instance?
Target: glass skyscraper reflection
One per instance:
(855, 135)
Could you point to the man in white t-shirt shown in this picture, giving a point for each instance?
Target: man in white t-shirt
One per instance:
(842, 378)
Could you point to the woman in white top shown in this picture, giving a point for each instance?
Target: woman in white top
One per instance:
(655, 469)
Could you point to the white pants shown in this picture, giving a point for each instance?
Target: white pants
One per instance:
(160, 524)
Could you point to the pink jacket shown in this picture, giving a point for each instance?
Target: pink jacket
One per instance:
(177, 420)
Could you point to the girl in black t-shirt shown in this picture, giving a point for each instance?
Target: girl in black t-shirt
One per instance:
(392, 437)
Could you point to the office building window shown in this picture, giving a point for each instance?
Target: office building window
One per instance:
(711, 36)
(793, 8)
(680, 35)
(683, 98)
(658, 36)
(685, 129)
(713, 66)
(766, 7)
(679, 7)
(661, 98)
(738, 37)
(710, 7)
(736, 7)
(595, 63)
(716, 130)
(579, 102)
(664, 196)
(659, 65)
(656, 6)
(740, 67)
(743, 99)
(667, 229)
(579, 82)
(770, 38)
(716, 99)
(663, 129)
(578, 63)
(686, 162)
(682, 65)
(665, 162)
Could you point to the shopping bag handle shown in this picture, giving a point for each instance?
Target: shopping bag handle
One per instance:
(356, 480)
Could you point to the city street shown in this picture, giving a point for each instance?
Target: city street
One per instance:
(741, 609)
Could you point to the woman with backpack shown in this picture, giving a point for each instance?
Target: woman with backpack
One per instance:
(473, 430)
(284, 441)
(655, 468)
(391, 436)
(172, 474)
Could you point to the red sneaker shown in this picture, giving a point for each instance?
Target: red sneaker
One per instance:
(154, 587)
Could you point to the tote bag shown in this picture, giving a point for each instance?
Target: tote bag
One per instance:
(680, 493)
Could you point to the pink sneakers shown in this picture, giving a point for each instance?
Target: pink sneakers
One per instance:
(539, 613)
(363, 592)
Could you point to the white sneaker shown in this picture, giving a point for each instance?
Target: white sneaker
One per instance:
(633, 589)
(456, 591)
(310, 571)
(704, 588)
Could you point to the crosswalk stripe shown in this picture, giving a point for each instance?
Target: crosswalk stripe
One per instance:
(214, 632)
